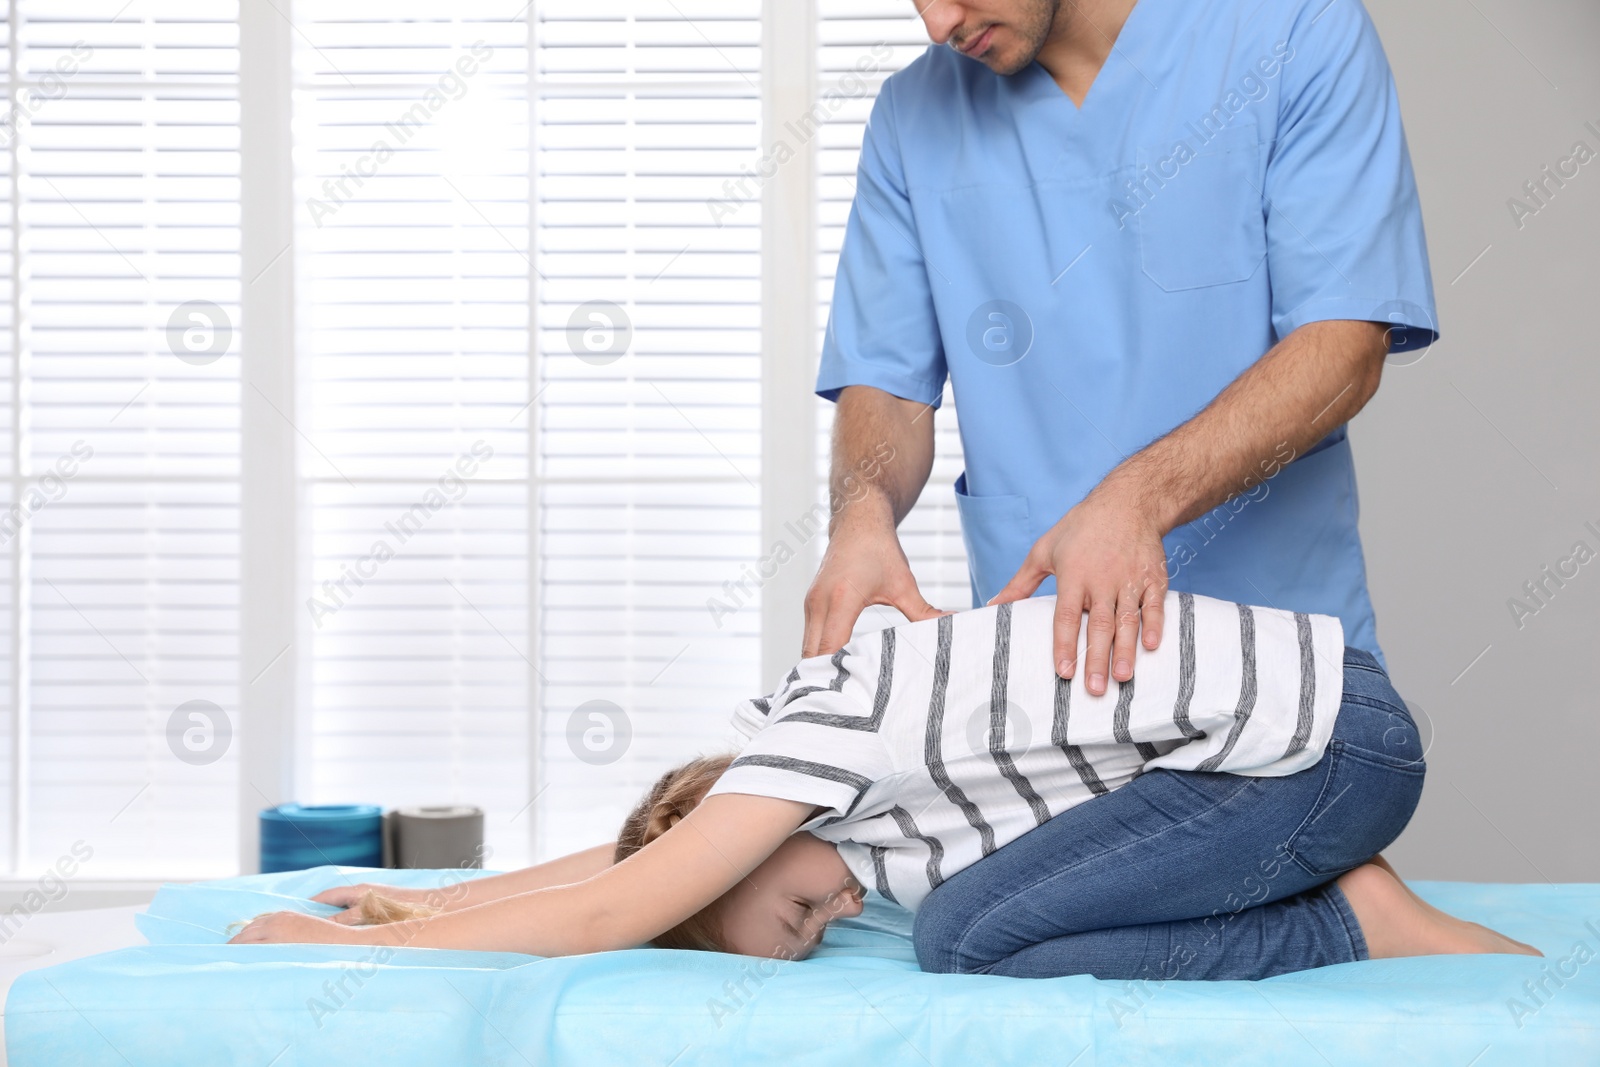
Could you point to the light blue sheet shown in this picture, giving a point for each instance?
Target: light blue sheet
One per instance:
(187, 998)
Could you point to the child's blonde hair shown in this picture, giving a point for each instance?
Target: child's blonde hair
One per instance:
(675, 795)
(377, 908)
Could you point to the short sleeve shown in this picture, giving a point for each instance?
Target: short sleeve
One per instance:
(797, 758)
(818, 741)
(882, 330)
(1344, 224)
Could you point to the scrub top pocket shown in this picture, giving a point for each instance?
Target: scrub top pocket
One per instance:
(996, 534)
(1203, 224)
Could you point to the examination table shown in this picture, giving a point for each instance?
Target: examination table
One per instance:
(185, 997)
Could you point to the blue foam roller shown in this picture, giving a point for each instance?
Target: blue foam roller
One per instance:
(297, 836)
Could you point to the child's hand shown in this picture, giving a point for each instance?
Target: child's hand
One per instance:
(349, 897)
(280, 927)
(345, 896)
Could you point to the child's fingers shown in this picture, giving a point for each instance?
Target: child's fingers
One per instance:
(340, 896)
(344, 896)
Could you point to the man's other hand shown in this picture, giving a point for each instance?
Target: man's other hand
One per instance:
(1108, 560)
(864, 564)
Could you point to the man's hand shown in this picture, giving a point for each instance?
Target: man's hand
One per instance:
(1107, 554)
(882, 453)
(864, 565)
(1107, 557)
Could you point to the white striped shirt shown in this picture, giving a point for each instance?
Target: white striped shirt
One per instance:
(934, 743)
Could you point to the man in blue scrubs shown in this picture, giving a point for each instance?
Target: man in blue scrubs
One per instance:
(1161, 250)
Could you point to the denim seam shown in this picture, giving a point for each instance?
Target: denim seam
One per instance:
(1352, 925)
(1332, 756)
(1356, 665)
(1376, 704)
(1385, 762)
(958, 948)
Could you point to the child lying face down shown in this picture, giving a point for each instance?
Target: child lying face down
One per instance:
(901, 761)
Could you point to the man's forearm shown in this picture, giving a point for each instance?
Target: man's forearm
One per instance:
(882, 455)
(1311, 381)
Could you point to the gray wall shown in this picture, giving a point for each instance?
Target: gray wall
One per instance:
(1476, 465)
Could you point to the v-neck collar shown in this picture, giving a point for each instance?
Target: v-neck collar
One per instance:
(1043, 85)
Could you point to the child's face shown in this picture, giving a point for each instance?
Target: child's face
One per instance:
(782, 908)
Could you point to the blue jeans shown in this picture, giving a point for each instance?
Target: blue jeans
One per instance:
(1193, 875)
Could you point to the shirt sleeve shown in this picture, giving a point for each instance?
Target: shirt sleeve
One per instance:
(796, 759)
(1344, 225)
(882, 330)
(818, 741)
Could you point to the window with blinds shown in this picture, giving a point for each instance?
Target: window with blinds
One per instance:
(582, 330)
(860, 43)
(649, 445)
(412, 240)
(120, 313)
(13, 747)
(528, 425)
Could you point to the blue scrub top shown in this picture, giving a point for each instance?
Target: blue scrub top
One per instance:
(1089, 279)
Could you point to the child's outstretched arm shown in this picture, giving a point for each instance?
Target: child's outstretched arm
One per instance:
(464, 894)
(625, 905)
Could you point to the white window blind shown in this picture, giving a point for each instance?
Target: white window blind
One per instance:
(860, 43)
(649, 463)
(644, 487)
(121, 534)
(528, 425)
(413, 260)
(13, 746)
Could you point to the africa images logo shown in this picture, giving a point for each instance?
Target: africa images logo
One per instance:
(1000, 333)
